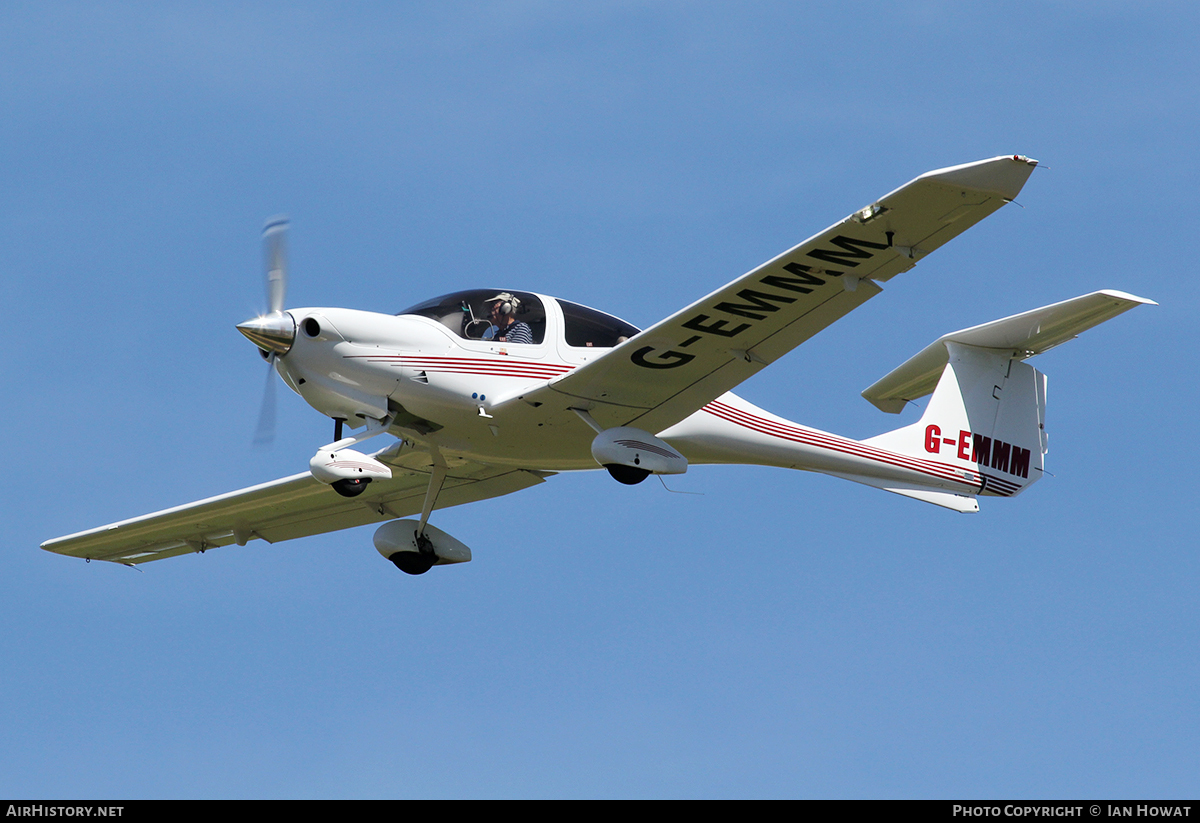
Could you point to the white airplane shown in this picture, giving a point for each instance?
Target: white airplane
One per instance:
(488, 392)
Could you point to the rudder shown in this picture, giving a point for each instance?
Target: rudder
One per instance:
(987, 415)
(988, 410)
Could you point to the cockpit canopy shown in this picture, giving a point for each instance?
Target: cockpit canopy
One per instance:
(467, 314)
(593, 329)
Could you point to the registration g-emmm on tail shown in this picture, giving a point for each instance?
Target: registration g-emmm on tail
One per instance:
(487, 391)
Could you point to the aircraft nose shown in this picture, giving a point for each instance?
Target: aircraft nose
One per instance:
(273, 333)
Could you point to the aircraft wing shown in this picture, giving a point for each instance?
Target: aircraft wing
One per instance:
(290, 507)
(675, 367)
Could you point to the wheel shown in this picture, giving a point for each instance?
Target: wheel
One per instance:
(629, 475)
(351, 487)
(413, 562)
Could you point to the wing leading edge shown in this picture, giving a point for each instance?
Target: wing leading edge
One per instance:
(675, 367)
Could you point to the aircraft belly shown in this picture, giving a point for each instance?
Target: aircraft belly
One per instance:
(732, 431)
(517, 435)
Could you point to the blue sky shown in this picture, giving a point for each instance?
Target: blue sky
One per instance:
(777, 634)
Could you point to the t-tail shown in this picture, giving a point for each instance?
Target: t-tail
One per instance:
(983, 432)
(987, 416)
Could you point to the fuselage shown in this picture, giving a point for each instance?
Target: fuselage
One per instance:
(444, 379)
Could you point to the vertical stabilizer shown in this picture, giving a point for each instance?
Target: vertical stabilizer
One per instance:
(988, 410)
(987, 414)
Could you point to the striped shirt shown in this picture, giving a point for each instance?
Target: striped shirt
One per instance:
(517, 333)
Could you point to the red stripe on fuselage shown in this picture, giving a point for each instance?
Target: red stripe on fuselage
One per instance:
(834, 443)
(469, 365)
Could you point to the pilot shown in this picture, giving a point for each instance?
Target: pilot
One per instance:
(506, 327)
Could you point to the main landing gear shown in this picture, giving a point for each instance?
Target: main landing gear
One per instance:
(413, 546)
(414, 562)
(417, 562)
(351, 487)
(416, 552)
(629, 475)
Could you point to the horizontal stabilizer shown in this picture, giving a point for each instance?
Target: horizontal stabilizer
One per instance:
(1020, 336)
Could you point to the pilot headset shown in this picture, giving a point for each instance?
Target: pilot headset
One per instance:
(508, 303)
